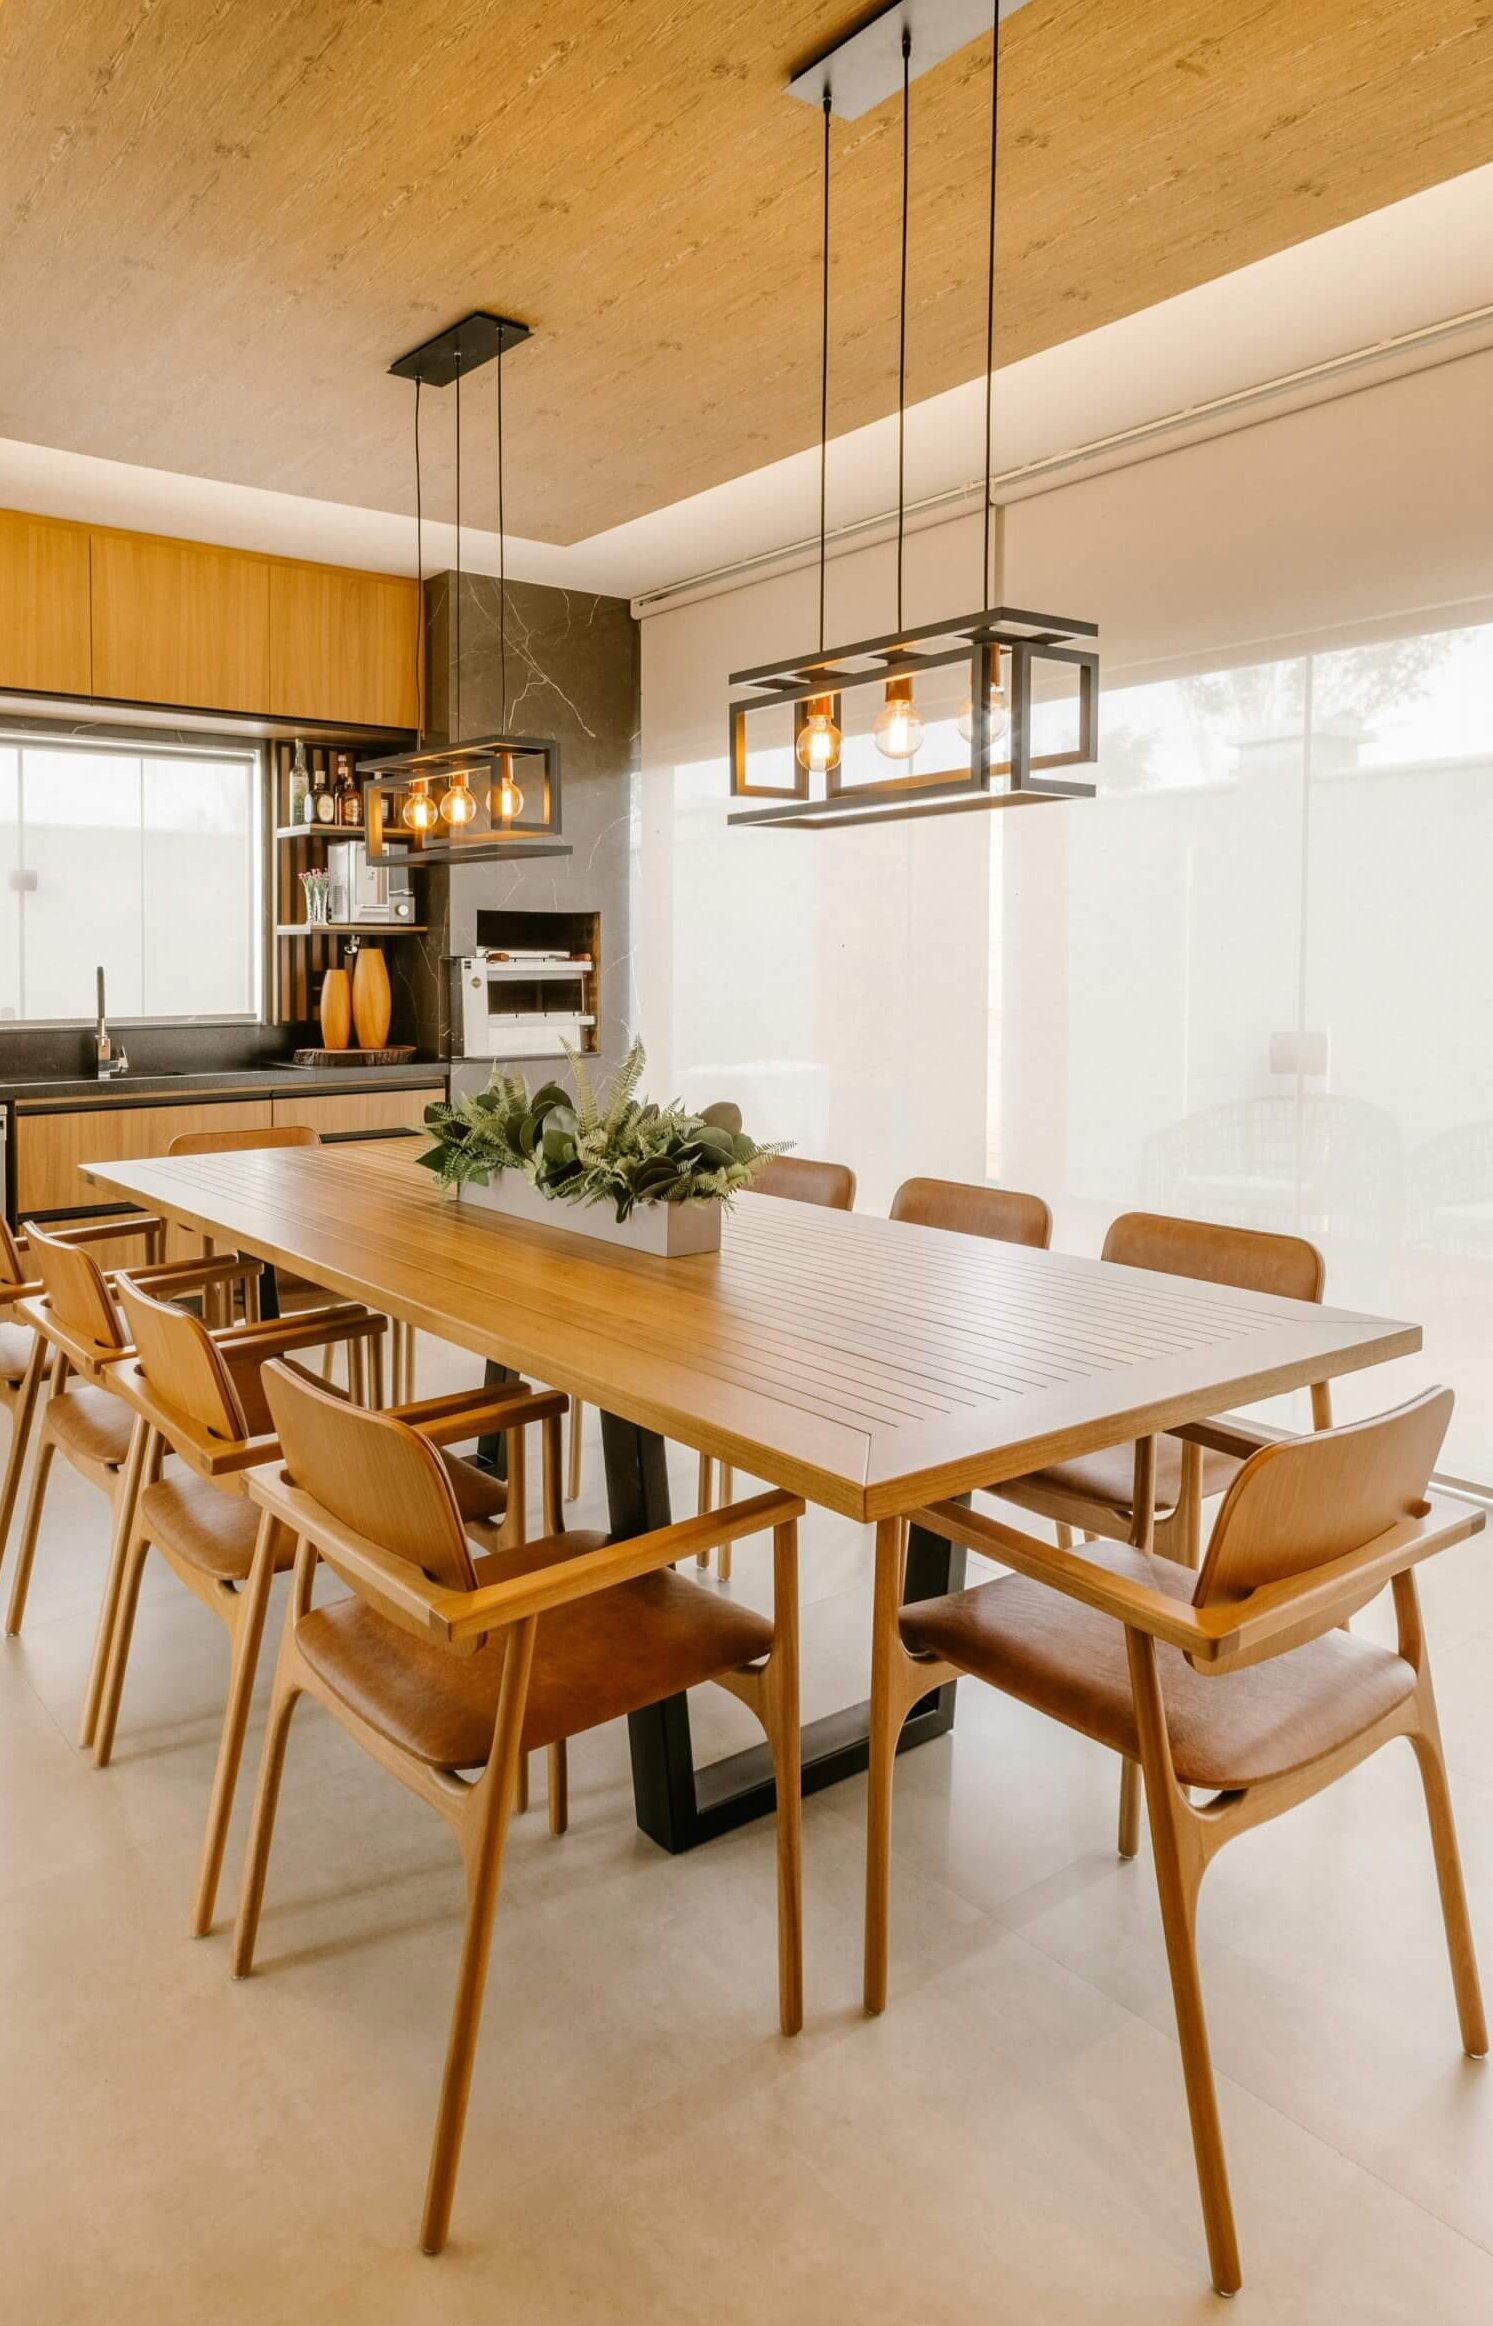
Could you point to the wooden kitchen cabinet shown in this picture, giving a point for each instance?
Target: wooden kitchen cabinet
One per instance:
(177, 622)
(342, 646)
(44, 605)
(51, 1147)
(369, 1112)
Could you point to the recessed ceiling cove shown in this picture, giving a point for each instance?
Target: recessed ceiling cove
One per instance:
(219, 224)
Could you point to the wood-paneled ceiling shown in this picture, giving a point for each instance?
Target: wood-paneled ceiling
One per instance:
(219, 222)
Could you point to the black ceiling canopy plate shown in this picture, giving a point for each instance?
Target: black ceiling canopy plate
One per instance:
(865, 66)
(463, 349)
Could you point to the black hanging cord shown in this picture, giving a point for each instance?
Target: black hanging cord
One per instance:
(824, 371)
(419, 589)
(987, 577)
(902, 327)
(456, 728)
(502, 560)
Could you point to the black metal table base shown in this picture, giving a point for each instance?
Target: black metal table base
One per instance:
(678, 1805)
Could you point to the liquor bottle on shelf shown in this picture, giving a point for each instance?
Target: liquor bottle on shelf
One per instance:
(300, 786)
(323, 800)
(348, 796)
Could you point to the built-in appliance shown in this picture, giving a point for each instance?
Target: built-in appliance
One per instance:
(367, 892)
(524, 1003)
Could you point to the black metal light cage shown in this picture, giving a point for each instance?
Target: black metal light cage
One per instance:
(535, 764)
(1021, 779)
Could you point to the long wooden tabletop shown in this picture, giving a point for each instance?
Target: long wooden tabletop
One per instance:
(865, 1363)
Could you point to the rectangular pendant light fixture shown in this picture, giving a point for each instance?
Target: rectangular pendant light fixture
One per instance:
(506, 787)
(1004, 652)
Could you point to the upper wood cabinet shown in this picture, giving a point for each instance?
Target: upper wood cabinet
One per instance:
(342, 646)
(44, 614)
(176, 622)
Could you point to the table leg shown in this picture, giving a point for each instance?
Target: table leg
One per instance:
(678, 1805)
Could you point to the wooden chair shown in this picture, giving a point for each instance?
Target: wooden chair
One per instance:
(1000, 1213)
(1237, 1679)
(1153, 1494)
(401, 1335)
(796, 1179)
(199, 1397)
(73, 1316)
(18, 1282)
(439, 1664)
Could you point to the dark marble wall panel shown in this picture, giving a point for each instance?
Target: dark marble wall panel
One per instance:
(572, 672)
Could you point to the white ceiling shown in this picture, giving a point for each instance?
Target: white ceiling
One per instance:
(1398, 271)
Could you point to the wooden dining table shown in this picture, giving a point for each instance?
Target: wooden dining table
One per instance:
(870, 1365)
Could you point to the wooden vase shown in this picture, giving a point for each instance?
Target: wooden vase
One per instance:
(372, 1002)
(335, 1010)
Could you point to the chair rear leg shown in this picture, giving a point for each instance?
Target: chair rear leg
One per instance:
(21, 1582)
(484, 1859)
(1178, 1875)
(247, 1633)
(705, 1500)
(559, 1787)
(573, 1479)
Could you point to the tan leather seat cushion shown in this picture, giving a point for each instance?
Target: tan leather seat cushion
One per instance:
(92, 1422)
(208, 1529)
(16, 1344)
(1226, 1729)
(593, 1661)
(1108, 1477)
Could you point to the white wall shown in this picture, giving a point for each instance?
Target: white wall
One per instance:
(842, 981)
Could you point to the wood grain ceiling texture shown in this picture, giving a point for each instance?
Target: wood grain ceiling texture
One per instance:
(219, 223)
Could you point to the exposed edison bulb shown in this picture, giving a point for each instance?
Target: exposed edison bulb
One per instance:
(898, 731)
(457, 804)
(818, 745)
(997, 719)
(505, 802)
(419, 812)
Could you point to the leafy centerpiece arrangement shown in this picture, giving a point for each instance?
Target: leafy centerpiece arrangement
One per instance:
(666, 1174)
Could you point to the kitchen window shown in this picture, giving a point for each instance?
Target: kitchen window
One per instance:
(142, 856)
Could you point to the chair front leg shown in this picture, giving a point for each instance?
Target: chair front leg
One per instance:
(25, 1557)
(248, 1631)
(781, 1709)
(1143, 1536)
(22, 1420)
(103, 1683)
(1180, 1859)
(284, 1697)
(483, 1841)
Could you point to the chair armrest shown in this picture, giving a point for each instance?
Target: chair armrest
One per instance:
(1226, 1437)
(476, 1413)
(109, 1231)
(460, 1619)
(192, 1275)
(314, 1328)
(1219, 1638)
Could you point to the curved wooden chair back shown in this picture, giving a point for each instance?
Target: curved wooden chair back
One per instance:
(371, 1472)
(1310, 1500)
(75, 1289)
(183, 1366)
(239, 1142)
(800, 1180)
(12, 1266)
(1253, 1259)
(1002, 1213)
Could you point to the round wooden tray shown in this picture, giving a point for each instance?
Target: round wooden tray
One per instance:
(395, 1054)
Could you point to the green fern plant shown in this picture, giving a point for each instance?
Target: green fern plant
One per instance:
(605, 1146)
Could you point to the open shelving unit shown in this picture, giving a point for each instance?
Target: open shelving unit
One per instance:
(303, 950)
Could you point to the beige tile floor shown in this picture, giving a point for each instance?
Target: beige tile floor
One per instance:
(1008, 2144)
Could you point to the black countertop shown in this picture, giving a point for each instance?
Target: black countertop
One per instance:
(59, 1094)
